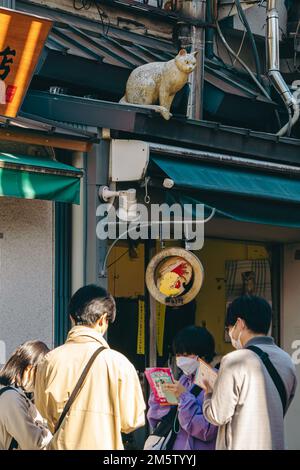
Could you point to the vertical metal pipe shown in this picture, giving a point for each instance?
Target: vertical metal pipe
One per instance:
(150, 309)
(78, 230)
(209, 39)
(273, 66)
(97, 175)
(193, 39)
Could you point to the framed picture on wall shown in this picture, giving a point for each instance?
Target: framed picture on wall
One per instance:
(247, 277)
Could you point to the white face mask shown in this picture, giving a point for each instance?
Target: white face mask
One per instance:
(188, 365)
(236, 343)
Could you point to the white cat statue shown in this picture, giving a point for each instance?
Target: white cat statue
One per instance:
(158, 82)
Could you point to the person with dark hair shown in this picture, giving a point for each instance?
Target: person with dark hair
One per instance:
(21, 426)
(90, 414)
(255, 385)
(194, 432)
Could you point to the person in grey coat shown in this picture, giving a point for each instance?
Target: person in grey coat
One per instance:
(21, 425)
(245, 402)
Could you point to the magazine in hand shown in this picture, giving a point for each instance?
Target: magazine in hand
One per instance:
(205, 373)
(157, 377)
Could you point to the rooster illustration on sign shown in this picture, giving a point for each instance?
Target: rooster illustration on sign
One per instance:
(174, 275)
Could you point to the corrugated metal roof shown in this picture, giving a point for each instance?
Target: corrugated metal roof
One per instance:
(29, 122)
(78, 36)
(119, 49)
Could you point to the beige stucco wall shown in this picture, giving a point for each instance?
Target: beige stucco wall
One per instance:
(26, 273)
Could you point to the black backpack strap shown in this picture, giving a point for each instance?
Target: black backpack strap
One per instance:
(168, 422)
(77, 387)
(196, 390)
(278, 382)
(165, 425)
(13, 443)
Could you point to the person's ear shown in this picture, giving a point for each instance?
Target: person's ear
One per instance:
(103, 321)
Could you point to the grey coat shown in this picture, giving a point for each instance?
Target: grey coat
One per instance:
(245, 403)
(20, 419)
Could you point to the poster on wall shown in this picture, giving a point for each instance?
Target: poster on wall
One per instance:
(247, 277)
(22, 38)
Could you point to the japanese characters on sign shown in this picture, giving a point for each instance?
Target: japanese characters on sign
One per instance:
(22, 38)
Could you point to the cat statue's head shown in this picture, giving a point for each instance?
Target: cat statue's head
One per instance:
(186, 62)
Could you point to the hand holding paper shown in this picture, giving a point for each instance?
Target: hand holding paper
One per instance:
(177, 389)
(158, 378)
(206, 376)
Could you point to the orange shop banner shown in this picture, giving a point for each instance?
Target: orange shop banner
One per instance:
(22, 38)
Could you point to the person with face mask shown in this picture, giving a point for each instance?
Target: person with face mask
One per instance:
(108, 401)
(193, 431)
(255, 385)
(21, 426)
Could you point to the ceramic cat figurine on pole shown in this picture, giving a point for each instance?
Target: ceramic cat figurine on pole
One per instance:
(158, 82)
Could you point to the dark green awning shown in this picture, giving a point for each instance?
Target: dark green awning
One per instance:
(238, 193)
(30, 177)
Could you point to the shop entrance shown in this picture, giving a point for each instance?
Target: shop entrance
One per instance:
(231, 267)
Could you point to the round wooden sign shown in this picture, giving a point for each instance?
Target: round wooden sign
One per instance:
(174, 276)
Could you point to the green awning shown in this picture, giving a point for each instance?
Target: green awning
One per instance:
(237, 193)
(30, 177)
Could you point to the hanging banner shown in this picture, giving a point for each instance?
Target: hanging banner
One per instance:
(141, 328)
(160, 327)
(22, 38)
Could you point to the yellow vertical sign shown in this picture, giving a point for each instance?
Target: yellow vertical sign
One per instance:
(141, 328)
(160, 324)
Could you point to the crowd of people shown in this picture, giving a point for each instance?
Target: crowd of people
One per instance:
(83, 395)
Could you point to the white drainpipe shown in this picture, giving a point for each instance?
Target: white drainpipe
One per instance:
(274, 68)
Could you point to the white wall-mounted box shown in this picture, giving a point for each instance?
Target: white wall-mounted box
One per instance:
(128, 160)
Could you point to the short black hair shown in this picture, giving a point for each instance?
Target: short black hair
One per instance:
(195, 340)
(255, 311)
(27, 354)
(89, 303)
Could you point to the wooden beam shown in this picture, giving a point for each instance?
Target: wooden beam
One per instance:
(40, 138)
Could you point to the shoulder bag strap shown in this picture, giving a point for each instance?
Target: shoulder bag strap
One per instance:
(4, 389)
(77, 388)
(278, 382)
